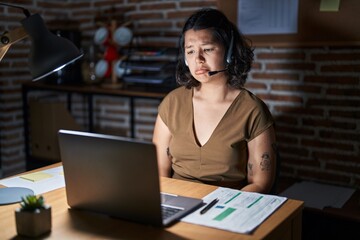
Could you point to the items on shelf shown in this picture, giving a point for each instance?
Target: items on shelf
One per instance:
(112, 37)
(127, 61)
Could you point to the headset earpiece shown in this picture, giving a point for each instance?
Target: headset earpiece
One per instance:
(229, 52)
(186, 63)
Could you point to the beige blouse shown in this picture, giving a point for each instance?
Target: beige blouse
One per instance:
(223, 158)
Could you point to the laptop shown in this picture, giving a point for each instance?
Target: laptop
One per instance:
(118, 177)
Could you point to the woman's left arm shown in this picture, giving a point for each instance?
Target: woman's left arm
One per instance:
(261, 166)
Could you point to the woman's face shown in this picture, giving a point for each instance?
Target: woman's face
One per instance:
(203, 54)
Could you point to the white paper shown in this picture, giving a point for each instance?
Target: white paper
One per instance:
(39, 187)
(268, 16)
(318, 195)
(236, 211)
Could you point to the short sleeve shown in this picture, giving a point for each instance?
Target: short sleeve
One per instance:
(260, 119)
(163, 109)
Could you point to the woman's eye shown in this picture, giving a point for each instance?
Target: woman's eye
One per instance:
(208, 50)
(190, 52)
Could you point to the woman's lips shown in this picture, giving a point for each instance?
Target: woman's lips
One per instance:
(201, 71)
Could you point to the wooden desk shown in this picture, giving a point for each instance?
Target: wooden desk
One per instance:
(285, 223)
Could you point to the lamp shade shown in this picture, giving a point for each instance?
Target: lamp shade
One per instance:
(49, 52)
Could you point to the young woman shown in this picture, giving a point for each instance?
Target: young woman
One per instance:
(211, 129)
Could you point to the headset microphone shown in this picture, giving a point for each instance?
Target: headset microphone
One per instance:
(228, 56)
(215, 72)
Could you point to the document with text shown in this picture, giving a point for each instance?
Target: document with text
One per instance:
(235, 210)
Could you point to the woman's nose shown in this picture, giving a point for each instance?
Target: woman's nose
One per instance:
(199, 58)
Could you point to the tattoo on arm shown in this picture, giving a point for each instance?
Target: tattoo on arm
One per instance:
(265, 163)
(168, 152)
(250, 169)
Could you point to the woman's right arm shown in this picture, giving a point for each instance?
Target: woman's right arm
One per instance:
(161, 139)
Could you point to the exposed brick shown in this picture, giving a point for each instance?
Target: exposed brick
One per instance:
(111, 119)
(10, 137)
(276, 76)
(300, 162)
(198, 4)
(285, 170)
(353, 114)
(300, 152)
(106, 3)
(341, 68)
(345, 136)
(332, 102)
(145, 131)
(52, 5)
(295, 130)
(296, 88)
(256, 65)
(339, 167)
(139, 1)
(325, 177)
(280, 138)
(157, 6)
(335, 57)
(178, 14)
(276, 56)
(116, 112)
(255, 85)
(144, 123)
(282, 98)
(317, 143)
(287, 120)
(300, 110)
(350, 92)
(112, 101)
(159, 24)
(344, 47)
(141, 16)
(331, 157)
(290, 66)
(329, 123)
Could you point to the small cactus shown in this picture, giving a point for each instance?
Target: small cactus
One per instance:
(31, 202)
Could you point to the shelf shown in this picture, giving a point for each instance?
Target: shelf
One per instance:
(147, 79)
(144, 65)
(150, 66)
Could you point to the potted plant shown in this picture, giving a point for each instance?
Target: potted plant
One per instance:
(33, 218)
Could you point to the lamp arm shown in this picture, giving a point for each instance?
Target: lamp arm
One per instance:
(9, 38)
(25, 11)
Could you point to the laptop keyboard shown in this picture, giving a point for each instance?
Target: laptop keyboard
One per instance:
(169, 211)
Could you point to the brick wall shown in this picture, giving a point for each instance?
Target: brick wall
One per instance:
(314, 96)
(312, 92)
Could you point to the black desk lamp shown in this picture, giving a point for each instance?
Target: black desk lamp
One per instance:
(49, 53)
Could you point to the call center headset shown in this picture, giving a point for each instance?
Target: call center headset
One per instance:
(228, 56)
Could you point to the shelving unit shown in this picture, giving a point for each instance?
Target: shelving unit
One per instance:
(152, 67)
(88, 91)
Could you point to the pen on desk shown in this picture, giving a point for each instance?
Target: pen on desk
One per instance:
(210, 205)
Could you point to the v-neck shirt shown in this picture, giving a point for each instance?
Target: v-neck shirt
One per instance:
(223, 158)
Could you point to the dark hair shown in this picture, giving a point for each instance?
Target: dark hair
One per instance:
(223, 30)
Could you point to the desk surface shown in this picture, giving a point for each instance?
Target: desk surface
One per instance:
(285, 223)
